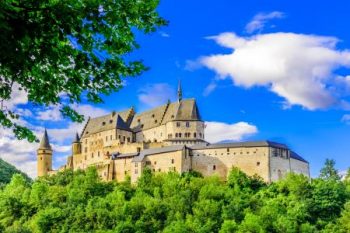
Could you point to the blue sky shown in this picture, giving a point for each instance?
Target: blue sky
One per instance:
(274, 70)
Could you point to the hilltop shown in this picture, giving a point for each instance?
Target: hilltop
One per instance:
(7, 171)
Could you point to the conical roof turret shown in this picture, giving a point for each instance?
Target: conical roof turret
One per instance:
(45, 143)
(179, 91)
(77, 139)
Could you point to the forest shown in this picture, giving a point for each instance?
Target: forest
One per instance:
(171, 202)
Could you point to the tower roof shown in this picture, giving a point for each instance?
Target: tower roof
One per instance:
(77, 139)
(45, 143)
(179, 91)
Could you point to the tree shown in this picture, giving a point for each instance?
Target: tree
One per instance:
(328, 171)
(60, 51)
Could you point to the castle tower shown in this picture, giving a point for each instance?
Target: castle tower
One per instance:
(76, 145)
(44, 156)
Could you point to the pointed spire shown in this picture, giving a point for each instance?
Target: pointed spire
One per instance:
(45, 143)
(179, 91)
(77, 139)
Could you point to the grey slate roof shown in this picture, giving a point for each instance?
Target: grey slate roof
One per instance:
(240, 144)
(45, 143)
(111, 121)
(184, 110)
(160, 150)
(297, 157)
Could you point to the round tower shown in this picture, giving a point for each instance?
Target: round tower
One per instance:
(76, 145)
(44, 156)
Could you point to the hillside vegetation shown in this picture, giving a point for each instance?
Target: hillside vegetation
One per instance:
(80, 202)
(7, 171)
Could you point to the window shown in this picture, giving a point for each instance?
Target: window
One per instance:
(128, 139)
(176, 135)
(200, 135)
(172, 116)
(159, 169)
(155, 162)
(170, 136)
(155, 121)
(138, 120)
(194, 135)
(138, 149)
(110, 121)
(178, 124)
(136, 164)
(153, 115)
(136, 171)
(98, 154)
(257, 163)
(106, 138)
(172, 161)
(148, 162)
(228, 149)
(124, 138)
(179, 135)
(103, 123)
(214, 167)
(111, 137)
(92, 155)
(187, 124)
(85, 149)
(85, 157)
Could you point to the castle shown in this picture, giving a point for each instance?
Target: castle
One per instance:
(167, 138)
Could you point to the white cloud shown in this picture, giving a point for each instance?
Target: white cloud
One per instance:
(164, 34)
(156, 94)
(300, 68)
(259, 21)
(20, 153)
(18, 96)
(219, 131)
(50, 114)
(346, 119)
(89, 110)
(209, 89)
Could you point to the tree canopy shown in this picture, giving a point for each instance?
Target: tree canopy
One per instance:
(81, 202)
(65, 48)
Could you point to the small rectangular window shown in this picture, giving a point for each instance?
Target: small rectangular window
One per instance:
(187, 124)
(172, 161)
(178, 124)
(214, 167)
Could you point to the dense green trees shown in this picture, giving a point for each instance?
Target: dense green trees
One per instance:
(58, 50)
(80, 202)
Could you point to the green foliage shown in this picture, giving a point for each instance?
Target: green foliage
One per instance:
(7, 171)
(329, 172)
(76, 48)
(80, 202)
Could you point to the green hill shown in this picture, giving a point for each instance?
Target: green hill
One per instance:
(7, 171)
